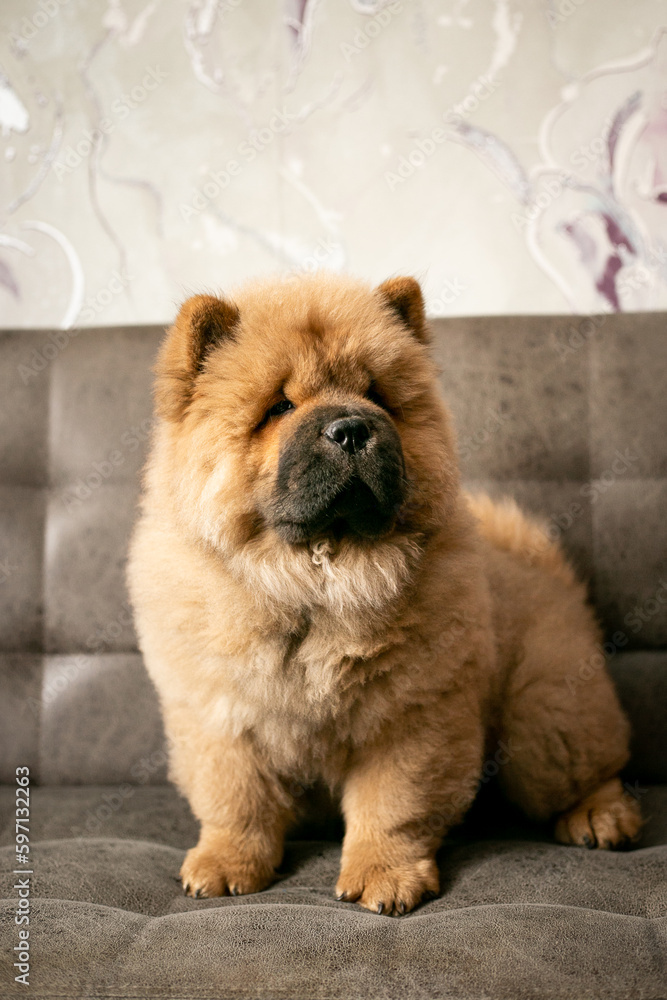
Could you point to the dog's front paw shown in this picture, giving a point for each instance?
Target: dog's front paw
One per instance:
(209, 872)
(391, 889)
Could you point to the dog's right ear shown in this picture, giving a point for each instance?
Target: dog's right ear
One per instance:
(203, 322)
(404, 298)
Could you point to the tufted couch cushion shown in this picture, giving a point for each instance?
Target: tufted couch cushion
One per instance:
(567, 415)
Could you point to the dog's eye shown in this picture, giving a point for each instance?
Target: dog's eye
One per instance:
(374, 396)
(277, 410)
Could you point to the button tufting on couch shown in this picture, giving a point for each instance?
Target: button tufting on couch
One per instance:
(575, 427)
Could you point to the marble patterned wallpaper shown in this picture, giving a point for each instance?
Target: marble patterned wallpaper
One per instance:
(510, 153)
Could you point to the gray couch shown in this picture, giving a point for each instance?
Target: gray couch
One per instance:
(570, 417)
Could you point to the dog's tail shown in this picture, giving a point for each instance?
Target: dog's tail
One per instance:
(506, 527)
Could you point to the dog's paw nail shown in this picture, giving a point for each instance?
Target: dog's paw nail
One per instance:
(233, 891)
(380, 907)
(341, 897)
(588, 842)
(186, 888)
(197, 893)
(401, 907)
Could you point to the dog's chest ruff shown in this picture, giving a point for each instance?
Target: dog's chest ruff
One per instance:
(306, 695)
(321, 672)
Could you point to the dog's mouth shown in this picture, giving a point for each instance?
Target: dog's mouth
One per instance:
(354, 510)
(341, 473)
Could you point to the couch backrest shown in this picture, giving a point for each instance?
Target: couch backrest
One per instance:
(568, 415)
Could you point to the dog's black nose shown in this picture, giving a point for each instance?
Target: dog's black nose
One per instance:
(351, 433)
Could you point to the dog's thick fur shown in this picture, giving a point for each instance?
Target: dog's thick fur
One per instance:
(316, 611)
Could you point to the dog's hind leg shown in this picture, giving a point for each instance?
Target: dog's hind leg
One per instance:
(607, 818)
(567, 739)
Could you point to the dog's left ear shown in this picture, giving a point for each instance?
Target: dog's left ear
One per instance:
(404, 296)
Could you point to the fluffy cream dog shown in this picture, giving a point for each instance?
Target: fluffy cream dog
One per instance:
(317, 599)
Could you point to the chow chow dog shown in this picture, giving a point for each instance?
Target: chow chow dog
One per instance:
(318, 600)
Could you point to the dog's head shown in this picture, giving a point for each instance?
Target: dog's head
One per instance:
(304, 411)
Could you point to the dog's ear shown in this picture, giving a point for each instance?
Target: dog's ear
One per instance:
(203, 322)
(404, 296)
